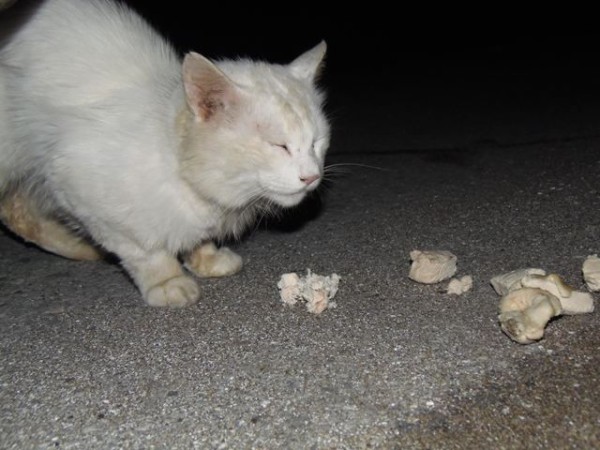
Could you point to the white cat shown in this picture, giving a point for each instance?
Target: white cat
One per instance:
(107, 137)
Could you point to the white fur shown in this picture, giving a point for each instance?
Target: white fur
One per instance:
(96, 124)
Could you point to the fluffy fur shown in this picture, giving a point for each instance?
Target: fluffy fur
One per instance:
(105, 133)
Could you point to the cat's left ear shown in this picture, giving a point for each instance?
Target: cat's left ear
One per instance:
(308, 65)
(208, 90)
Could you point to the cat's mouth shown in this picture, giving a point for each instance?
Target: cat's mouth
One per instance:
(285, 194)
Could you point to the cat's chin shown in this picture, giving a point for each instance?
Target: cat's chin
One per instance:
(287, 200)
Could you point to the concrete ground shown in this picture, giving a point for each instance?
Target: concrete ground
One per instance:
(501, 182)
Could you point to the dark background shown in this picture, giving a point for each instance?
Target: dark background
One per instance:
(377, 36)
(418, 76)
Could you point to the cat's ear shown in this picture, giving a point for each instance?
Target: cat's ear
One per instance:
(208, 90)
(308, 65)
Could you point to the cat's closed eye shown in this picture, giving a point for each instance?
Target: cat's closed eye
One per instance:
(283, 147)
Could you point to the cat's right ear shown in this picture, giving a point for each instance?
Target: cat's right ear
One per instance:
(208, 90)
(308, 65)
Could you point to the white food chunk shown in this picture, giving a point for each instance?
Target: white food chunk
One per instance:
(316, 290)
(525, 312)
(591, 272)
(572, 301)
(431, 266)
(511, 281)
(460, 286)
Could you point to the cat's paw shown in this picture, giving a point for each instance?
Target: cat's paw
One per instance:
(176, 292)
(209, 261)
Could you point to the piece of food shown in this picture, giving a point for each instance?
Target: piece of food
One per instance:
(289, 288)
(572, 301)
(316, 290)
(511, 281)
(460, 286)
(431, 266)
(531, 298)
(591, 272)
(525, 312)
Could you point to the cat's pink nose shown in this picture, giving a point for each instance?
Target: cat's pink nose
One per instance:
(309, 179)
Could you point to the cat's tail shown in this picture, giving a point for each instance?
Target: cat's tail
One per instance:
(20, 215)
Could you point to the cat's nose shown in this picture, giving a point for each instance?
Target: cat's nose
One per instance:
(309, 179)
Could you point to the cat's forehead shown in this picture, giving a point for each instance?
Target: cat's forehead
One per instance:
(289, 119)
(280, 101)
(279, 88)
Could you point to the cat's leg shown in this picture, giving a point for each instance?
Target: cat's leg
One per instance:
(159, 277)
(22, 218)
(209, 261)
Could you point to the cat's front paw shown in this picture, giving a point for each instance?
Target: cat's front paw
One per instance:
(176, 292)
(209, 261)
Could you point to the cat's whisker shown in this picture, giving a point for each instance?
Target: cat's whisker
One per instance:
(333, 176)
(248, 200)
(267, 210)
(336, 170)
(365, 166)
(330, 176)
(251, 200)
(324, 190)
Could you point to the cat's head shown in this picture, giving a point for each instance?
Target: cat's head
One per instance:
(257, 130)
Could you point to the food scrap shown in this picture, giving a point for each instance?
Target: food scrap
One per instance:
(431, 266)
(525, 312)
(591, 272)
(511, 281)
(316, 290)
(530, 298)
(458, 286)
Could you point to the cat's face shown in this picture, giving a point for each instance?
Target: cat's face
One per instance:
(262, 126)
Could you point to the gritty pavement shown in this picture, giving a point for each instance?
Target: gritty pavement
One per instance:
(85, 364)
